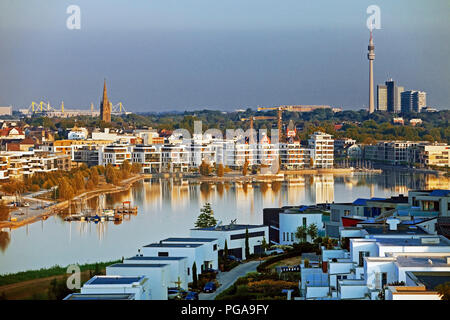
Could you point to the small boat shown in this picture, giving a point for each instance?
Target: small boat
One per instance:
(108, 212)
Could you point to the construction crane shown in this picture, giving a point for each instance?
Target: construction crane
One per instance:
(280, 111)
(251, 123)
(257, 118)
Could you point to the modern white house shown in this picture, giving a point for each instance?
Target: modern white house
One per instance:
(138, 286)
(292, 218)
(234, 236)
(210, 249)
(195, 252)
(158, 276)
(178, 267)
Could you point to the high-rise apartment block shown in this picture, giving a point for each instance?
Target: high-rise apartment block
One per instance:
(381, 97)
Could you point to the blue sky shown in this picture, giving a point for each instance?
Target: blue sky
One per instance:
(160, 55)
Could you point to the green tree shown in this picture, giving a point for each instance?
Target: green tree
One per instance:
(312, 231)
(301, 233)
(206, 218)
(264, 244)
(225, 250)
(194, 275)
(247, 246)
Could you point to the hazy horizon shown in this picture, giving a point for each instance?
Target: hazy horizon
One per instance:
(166, 55)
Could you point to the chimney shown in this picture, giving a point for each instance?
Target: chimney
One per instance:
(393, 223)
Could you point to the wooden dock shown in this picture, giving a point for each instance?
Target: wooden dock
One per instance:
(115, 214)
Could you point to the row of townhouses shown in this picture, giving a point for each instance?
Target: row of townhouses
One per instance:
(169, 263)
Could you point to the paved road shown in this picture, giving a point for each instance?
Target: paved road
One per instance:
(226, 279)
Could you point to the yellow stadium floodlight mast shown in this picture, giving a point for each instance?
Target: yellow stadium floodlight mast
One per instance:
(62, 106)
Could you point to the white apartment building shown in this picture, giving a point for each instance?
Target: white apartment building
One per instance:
(294, 156)
(322, 150)
(149, 156)
(114, 154)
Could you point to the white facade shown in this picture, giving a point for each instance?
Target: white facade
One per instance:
(290, 221)
(209, 246)
(193, 252)
(234, 235)
(322, 152)
(178, 267)
(139, 286)
(158, 276)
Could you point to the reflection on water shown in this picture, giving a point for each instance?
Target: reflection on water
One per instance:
(170, 207)
(5, 238)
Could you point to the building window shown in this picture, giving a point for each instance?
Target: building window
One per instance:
(304, 222)
(215, 247)
(292, 236)
(163, 254)
(284, 236)
(189, 272)
(250, 235)
(363, 254)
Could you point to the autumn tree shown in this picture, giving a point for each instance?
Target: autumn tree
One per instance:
(220, 170)
(245, 168)
(444, 291)
(204, 169)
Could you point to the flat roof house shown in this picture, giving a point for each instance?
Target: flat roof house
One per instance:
(139, 286)
(158, 276)
(193, 251)
(178, 267)
(210, 250)
(234, 235)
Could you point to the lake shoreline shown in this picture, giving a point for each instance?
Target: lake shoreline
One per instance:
(58, 207)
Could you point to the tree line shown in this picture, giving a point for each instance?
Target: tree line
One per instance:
(68, 184)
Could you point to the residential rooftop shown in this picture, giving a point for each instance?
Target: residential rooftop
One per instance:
(100, 296)
(189, 239)
(173, 245)
(443, 242)
(113, 280)
(432, 279)
(137, 265)
(142, 258)
(423, 261)
(380, 229)
(230, 227)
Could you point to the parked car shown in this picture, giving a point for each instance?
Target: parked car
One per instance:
(209, 270)
(274, 251)
(191, 296)
(233, 258)
(175, 293)
(209, 287)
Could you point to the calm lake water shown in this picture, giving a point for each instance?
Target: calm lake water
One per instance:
(169, 208)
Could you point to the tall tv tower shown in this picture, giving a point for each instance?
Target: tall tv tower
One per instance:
(371, 57)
